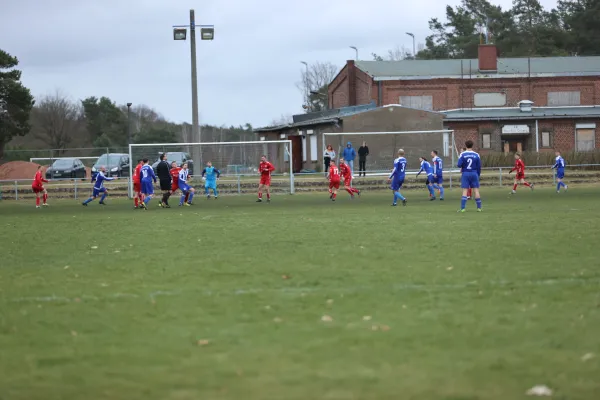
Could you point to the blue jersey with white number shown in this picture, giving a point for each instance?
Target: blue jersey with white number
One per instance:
(399, 171)
(100, 178)
(469, 162)
(147, 174)
(211, 173)
(559, 163)
(438, 166)
(426, 167)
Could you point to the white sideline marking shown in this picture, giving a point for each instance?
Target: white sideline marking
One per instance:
(302, 290)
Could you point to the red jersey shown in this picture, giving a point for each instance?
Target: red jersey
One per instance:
(334, 174)
(265, 168)
(175, 174)
(345, 171)
(519, 167)
(136, 173)
(38, 179)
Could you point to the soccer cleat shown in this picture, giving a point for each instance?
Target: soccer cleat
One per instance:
(45, 205)
(513, 192)
(394, 205)
(404, 203)
(432, 199)
(39, 206)
(332, 199)
(144, 206)
(468, 197)
(462, 210)
(441, 199)
(479, 210)
(259, 201)
(268, 200)
(216, 197)
(331, 196)
(531, 187)
(358, 193)
(187, 204)
(566, 187)
(83, 204)
(102, 203)
(167, 206)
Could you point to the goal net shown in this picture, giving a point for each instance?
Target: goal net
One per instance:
(384, 146)
(237, 162)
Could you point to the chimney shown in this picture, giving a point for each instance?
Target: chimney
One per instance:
(351, 82)
(526, 105)
(488, 58)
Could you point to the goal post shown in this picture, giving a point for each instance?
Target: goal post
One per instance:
(383, 148)
(237, 161)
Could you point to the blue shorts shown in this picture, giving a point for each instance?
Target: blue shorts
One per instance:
(560, 173)
(184, 187)
(396, 184)
(210, 184)
(147, 187)
(439, 180)
(96, 192)
(430, 179)
(469, 180)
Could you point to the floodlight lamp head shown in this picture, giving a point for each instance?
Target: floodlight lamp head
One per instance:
(179, 33)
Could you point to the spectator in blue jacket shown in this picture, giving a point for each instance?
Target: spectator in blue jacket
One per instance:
(349, 155)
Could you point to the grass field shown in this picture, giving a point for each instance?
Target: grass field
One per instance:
(302, 298)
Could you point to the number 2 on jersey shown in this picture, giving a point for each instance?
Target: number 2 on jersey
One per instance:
(469, 163)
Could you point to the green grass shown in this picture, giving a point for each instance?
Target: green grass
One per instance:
(461, 306)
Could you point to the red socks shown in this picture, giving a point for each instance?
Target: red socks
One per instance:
(37, 201)
(260, 195)
(515, 187)
(268, 196)
(527, 184)
(334, 195)
(45, 197)
(136, 201)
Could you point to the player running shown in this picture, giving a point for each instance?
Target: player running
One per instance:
(334, 179)
(137, 186)
(397, 176)
(99, 187)
(426, 167)
(38, 188)
(470, 164)
(187, 192)
(148, 178)
(438, 173)
(559, 165)
(210, 175)
(346, 172)
(265, 168)
(520, 177)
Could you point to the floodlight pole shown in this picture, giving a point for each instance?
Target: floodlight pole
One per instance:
(195, 126)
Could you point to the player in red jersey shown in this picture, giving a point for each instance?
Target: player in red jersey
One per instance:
(346, 173)
(265, 168)
(334, 179)
(137, 187)
(38, 188)
(520, 177)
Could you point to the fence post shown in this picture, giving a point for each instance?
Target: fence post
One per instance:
(16, 190)
(75, 188)
(500, 176)
(239, 184)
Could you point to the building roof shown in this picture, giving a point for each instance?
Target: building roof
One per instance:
(515, 113)
(469, 68)
(318, 118)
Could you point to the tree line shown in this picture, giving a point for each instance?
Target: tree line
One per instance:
(55, 121)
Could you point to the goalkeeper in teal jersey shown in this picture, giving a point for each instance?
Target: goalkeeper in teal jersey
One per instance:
(210, 175)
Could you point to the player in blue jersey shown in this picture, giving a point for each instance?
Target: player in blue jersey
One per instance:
(210, 174)
(98, 181)
(147, 179)
(426, 167)
(559, 165)
(470, 165)
(397, 176)
(438, 173)
(186, 189)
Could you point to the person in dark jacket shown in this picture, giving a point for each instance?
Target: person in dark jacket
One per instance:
(363, 152)
(163, 171)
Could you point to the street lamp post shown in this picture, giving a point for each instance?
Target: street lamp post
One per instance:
(308, 108)
(355, 51)
(414, 48)
(129, 123)
(207, 32)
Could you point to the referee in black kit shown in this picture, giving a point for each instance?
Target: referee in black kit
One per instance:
(164, 177)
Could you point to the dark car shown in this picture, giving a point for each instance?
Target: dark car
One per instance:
(179, 157)
(66, 168)
(116, 164)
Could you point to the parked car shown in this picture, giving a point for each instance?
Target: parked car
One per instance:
(116, 164)
(179, 157)
(68, 168)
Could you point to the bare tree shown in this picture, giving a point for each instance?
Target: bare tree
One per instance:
(283, 119)
(56, 120)
(316, 78)
(398, 53)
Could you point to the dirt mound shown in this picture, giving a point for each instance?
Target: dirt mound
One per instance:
(19, 170)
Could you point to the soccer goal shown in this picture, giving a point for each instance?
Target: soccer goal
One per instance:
(237, 161)
(383, 148)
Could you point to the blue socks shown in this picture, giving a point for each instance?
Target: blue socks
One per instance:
(441, 192)
(431, 192)
(182, 198)
(103, 197)
(463, 202)
(215, 192)
(559, 184)
(147, 200)
(478, 202)
(190, 197)
(397, 196)
(88, 200)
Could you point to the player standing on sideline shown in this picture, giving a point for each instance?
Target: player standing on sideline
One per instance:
(346, 172)
(212, 174)
(187, 192)
(520, 178)
(470, 191)
(397, 176)
(559, 165)
(426, 167)
(265, 168)
(99, 187)
(148, 180)
(470, 165)
(438, 173)
(334, 179)
(38, 187)
(164, 178)
(137, 186)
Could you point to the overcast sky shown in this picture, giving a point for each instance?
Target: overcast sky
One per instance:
(124, 49)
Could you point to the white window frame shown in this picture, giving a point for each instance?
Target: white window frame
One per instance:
(483, 146)
(303, 148)
(593, 139)
(409, 101)
(313, 148)
(486, 99)
(564, 98)
(549, 140)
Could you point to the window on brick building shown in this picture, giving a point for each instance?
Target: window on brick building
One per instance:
(418, 102)
(486, 140)
(564, 98)
(585, 139)
(546, 139)
(489, 99)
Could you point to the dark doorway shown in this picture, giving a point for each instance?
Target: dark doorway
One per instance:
(514, 144)
(296, 153)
